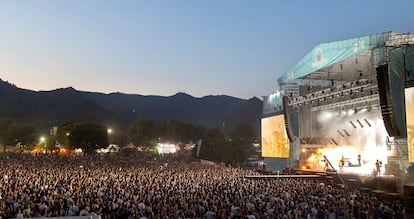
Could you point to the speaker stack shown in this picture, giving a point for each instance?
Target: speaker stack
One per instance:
(287, 112)
(384, 91)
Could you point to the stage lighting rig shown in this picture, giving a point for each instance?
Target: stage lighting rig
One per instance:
(353, 93)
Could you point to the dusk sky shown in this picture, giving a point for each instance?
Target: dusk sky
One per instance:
(213, 47)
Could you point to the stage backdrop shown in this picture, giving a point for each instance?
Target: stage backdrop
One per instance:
(275, 142)
(409, 110)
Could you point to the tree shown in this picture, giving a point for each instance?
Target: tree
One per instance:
(21, 134)
(4, 126)
(233, 149)
(119, 138)
(63, 133)
(220, 149)
(244, 136)
(50, 143)
(144, 133)
(89, 137)
(174, 130)
(243, 131)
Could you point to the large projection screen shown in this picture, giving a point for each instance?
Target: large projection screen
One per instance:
(275, 142)
(409, 110)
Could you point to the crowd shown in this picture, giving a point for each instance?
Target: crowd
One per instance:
(125, 187)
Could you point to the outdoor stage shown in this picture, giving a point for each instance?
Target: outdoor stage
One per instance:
(344, 107)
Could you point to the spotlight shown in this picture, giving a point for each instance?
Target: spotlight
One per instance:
(353, 125)
(369, 124)
(346, 133)
(359, 122)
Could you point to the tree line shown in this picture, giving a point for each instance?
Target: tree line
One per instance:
(144, 133)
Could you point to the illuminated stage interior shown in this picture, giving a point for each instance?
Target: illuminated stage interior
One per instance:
(346, 133)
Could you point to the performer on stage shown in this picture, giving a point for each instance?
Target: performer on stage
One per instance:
(378, 167)
(359, 159)
(342, 163)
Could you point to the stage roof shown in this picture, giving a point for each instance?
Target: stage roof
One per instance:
(345, 60)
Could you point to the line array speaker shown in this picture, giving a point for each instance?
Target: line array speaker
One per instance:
(288, 118)
(384, 91)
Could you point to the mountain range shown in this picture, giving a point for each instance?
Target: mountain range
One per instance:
(44, 109)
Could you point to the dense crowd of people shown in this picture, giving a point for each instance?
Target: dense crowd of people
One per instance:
(123, 187)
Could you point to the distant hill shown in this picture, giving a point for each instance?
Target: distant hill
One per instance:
(44, 109)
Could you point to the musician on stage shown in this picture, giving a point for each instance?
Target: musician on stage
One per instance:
(342, 163)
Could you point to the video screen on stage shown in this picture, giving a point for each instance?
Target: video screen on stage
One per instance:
(275, 142)
(409, 110)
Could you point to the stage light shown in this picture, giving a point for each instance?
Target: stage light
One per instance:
(369, 124)
(353, 125)
(346, 133)
(359, 122)
(340, 133)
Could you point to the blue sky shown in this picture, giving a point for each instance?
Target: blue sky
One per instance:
(237, 48)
